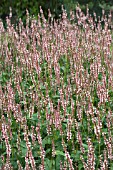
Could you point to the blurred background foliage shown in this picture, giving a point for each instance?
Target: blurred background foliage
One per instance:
(19, 7)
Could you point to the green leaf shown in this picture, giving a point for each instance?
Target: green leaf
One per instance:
(45, 141)
(24, 151)
(80, 166)
(56, 97)
(4, 153)
(0, 163)
(85, 146)
(43, 87)
(48, 164)
(48, 150)
(34, 116)
(105, 130)
(59, 152)
(59, 158)
(76, 155)
(23, 148)
(103, 119)
(100, 76)
(111, 166)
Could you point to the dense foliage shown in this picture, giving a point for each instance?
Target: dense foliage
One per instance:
(56, 93)
(19, 7)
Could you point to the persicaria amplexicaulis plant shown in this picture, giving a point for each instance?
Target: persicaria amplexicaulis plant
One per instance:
(56, 93)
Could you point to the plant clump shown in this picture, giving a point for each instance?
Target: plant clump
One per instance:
(57, 92)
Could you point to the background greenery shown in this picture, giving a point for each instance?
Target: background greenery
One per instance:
(19, 7)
